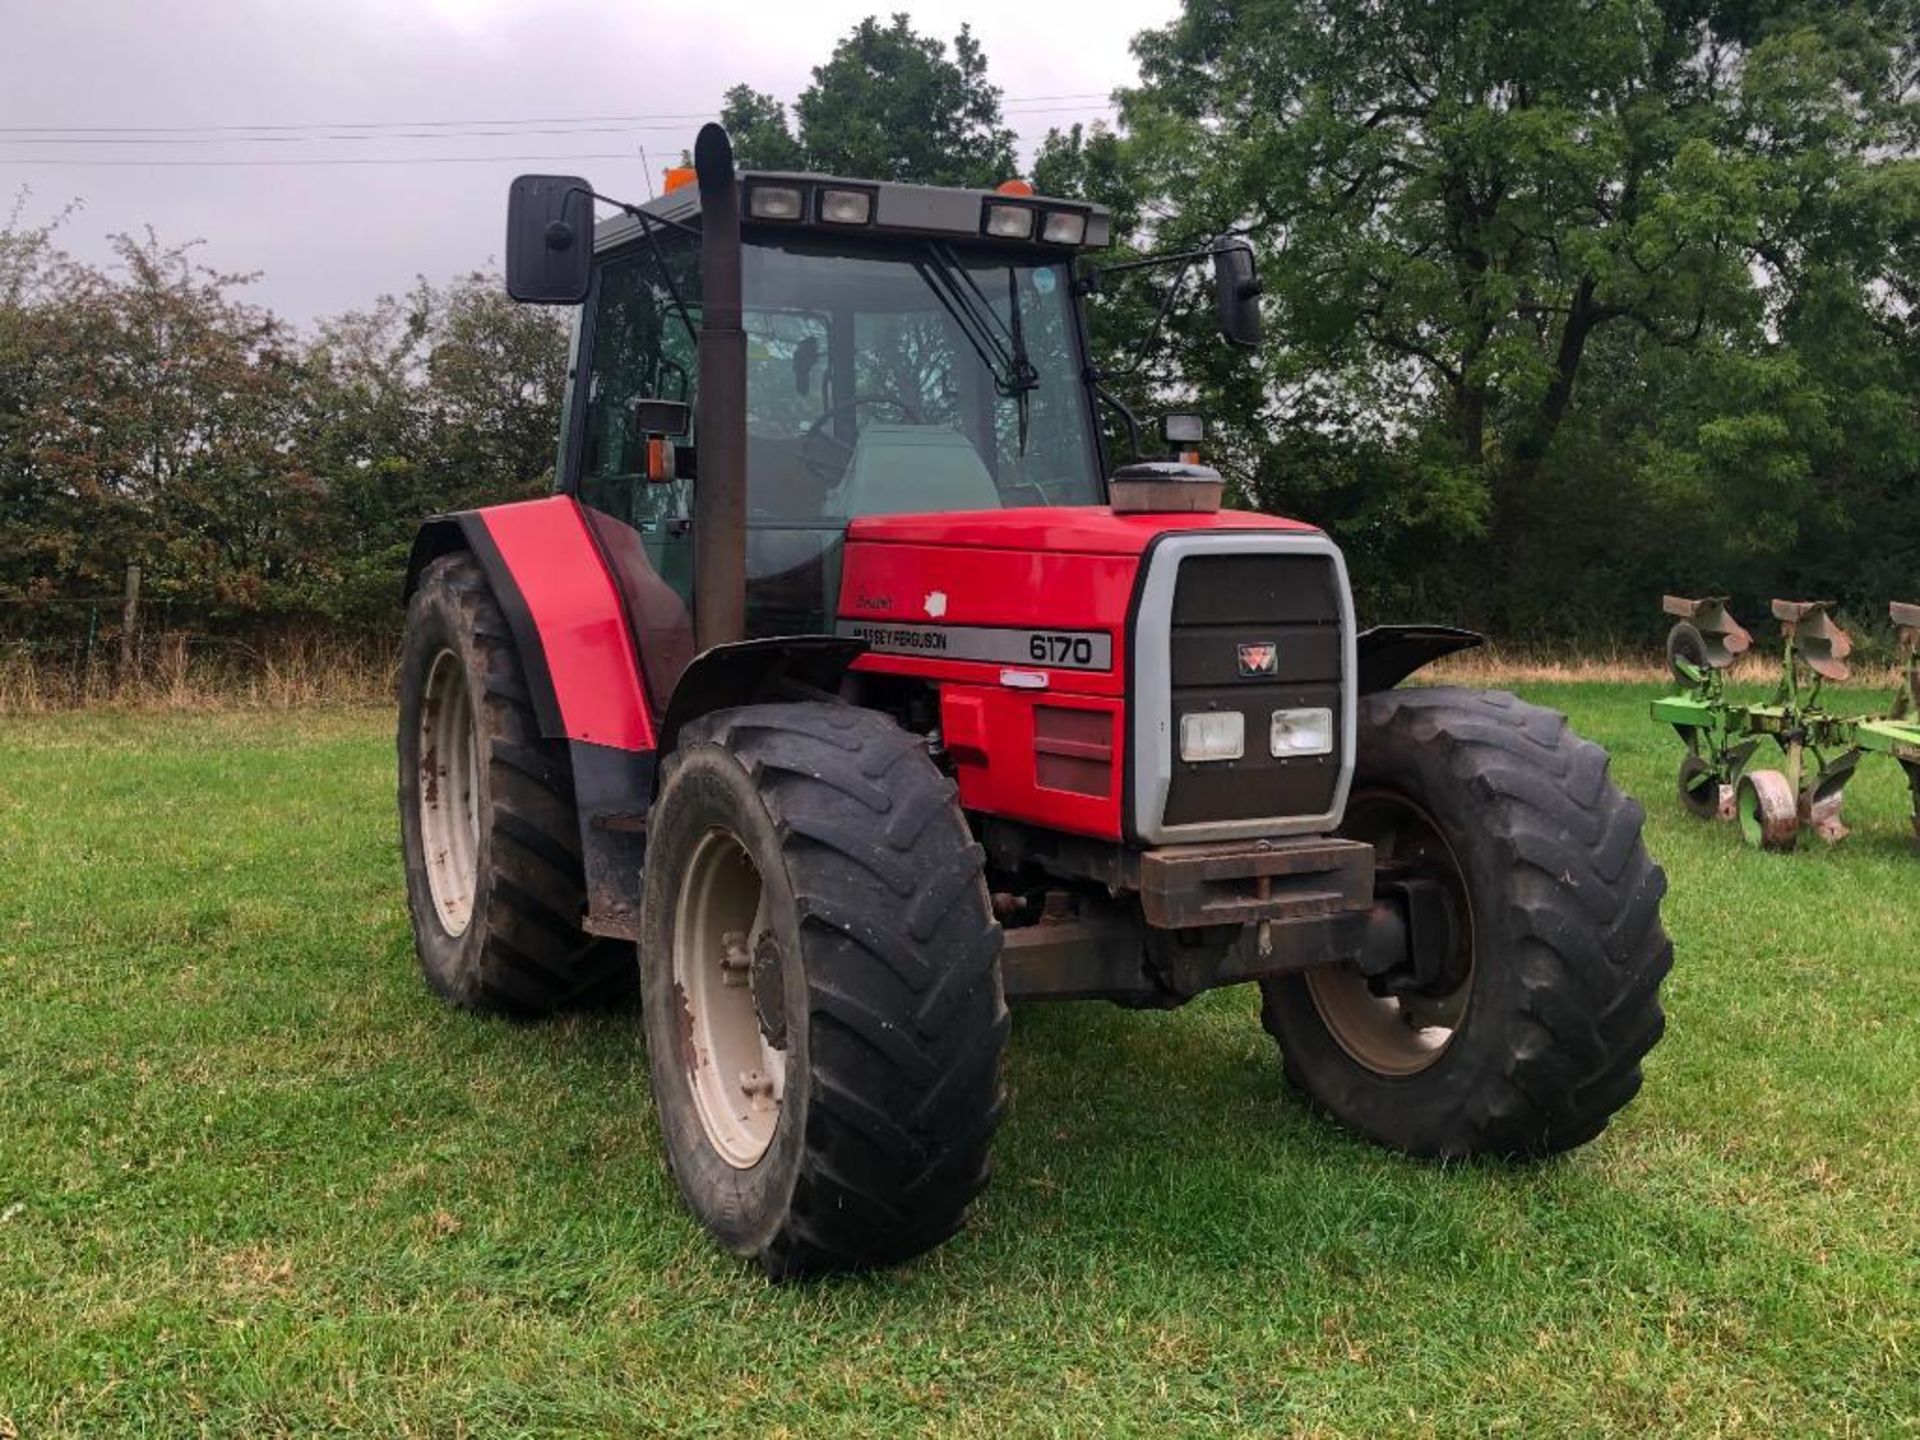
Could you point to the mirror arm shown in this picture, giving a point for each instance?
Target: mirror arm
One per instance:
(1179, 257)
(1152, 333)
(1114, 402)
(647, 222)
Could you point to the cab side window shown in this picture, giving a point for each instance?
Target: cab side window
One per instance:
(641, 351)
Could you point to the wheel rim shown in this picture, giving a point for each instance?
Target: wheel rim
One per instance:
(723, 953)
(449, 792)
(1399, 1035)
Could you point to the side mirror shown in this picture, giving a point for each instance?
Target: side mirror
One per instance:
(1237, 289)
(549, 239)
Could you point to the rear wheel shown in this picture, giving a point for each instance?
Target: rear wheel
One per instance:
(821, 987)
(494, 880)
(1526, 1035)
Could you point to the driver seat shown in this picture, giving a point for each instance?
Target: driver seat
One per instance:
(902, 469)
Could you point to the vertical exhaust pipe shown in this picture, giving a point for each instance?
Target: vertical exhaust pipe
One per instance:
(720, 491)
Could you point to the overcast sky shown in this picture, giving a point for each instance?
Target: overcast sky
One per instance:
(332, 236)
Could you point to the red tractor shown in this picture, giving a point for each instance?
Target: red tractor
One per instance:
(845, 691)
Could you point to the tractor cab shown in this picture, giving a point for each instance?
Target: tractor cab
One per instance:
(888, 370)
(908, 349)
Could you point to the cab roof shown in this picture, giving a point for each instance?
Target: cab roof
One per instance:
(949, 212)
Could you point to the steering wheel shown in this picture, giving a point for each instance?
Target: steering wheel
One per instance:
(826, 457)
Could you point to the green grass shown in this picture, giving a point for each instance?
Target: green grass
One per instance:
(254, 1180)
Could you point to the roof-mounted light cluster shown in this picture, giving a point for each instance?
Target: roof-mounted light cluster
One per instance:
(1006, 221)
(830, 204)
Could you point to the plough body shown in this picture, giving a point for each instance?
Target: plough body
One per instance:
(1819, 750)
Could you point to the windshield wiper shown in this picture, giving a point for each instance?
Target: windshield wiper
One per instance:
(1001, 346)
(1025, 377)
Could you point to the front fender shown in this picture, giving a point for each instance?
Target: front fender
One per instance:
(780, 667)
(1388, 654)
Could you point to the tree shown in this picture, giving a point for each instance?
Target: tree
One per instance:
(1455, 203)
(888, 104)
(757, 125)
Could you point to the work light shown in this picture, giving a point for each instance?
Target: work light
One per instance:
(1064, 227)
(774, 202)
(845, 207)
(1010, 222)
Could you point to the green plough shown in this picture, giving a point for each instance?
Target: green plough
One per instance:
(1819, 750)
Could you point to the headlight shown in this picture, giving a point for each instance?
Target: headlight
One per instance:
(1213, 735)
(1302, 732)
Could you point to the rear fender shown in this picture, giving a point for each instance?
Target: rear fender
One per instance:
(1388, 654)
(576, 650)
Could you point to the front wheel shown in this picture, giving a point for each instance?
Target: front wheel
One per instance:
(821, 988)
(1527, 1034)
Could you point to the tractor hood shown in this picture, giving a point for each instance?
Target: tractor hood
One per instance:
(1078, 529)
(1062, 639)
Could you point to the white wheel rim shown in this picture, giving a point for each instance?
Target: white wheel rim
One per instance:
(449, 792)
(1394, 1036)
(720, 921)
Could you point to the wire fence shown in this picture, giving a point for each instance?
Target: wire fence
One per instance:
(66, 651)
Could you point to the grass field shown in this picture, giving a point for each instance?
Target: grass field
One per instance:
(253, 1180)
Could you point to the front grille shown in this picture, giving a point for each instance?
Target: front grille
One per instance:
(1222, 602)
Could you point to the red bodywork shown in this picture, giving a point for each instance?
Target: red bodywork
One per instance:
(1029, 741)
(576, 609)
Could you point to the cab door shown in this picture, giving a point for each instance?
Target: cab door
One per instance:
(636, 344)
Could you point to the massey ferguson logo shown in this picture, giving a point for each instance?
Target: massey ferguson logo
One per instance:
(1263, 659)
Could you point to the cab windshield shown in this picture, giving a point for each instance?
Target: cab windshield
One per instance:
(910, 377)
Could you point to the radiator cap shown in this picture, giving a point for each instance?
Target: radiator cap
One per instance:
(1163, 486)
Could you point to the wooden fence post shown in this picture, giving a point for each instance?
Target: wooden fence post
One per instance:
(129, 625)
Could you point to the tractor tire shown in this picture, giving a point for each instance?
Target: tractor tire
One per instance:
(1531, 1036)
(494, 879)
(821, 987)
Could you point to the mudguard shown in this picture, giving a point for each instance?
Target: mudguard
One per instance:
(568, 621)
(1388, 654)
(781, 667)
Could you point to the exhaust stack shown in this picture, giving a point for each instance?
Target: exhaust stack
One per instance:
(720, 493)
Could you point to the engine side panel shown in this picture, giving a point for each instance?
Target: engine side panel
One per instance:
(1028, 651)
